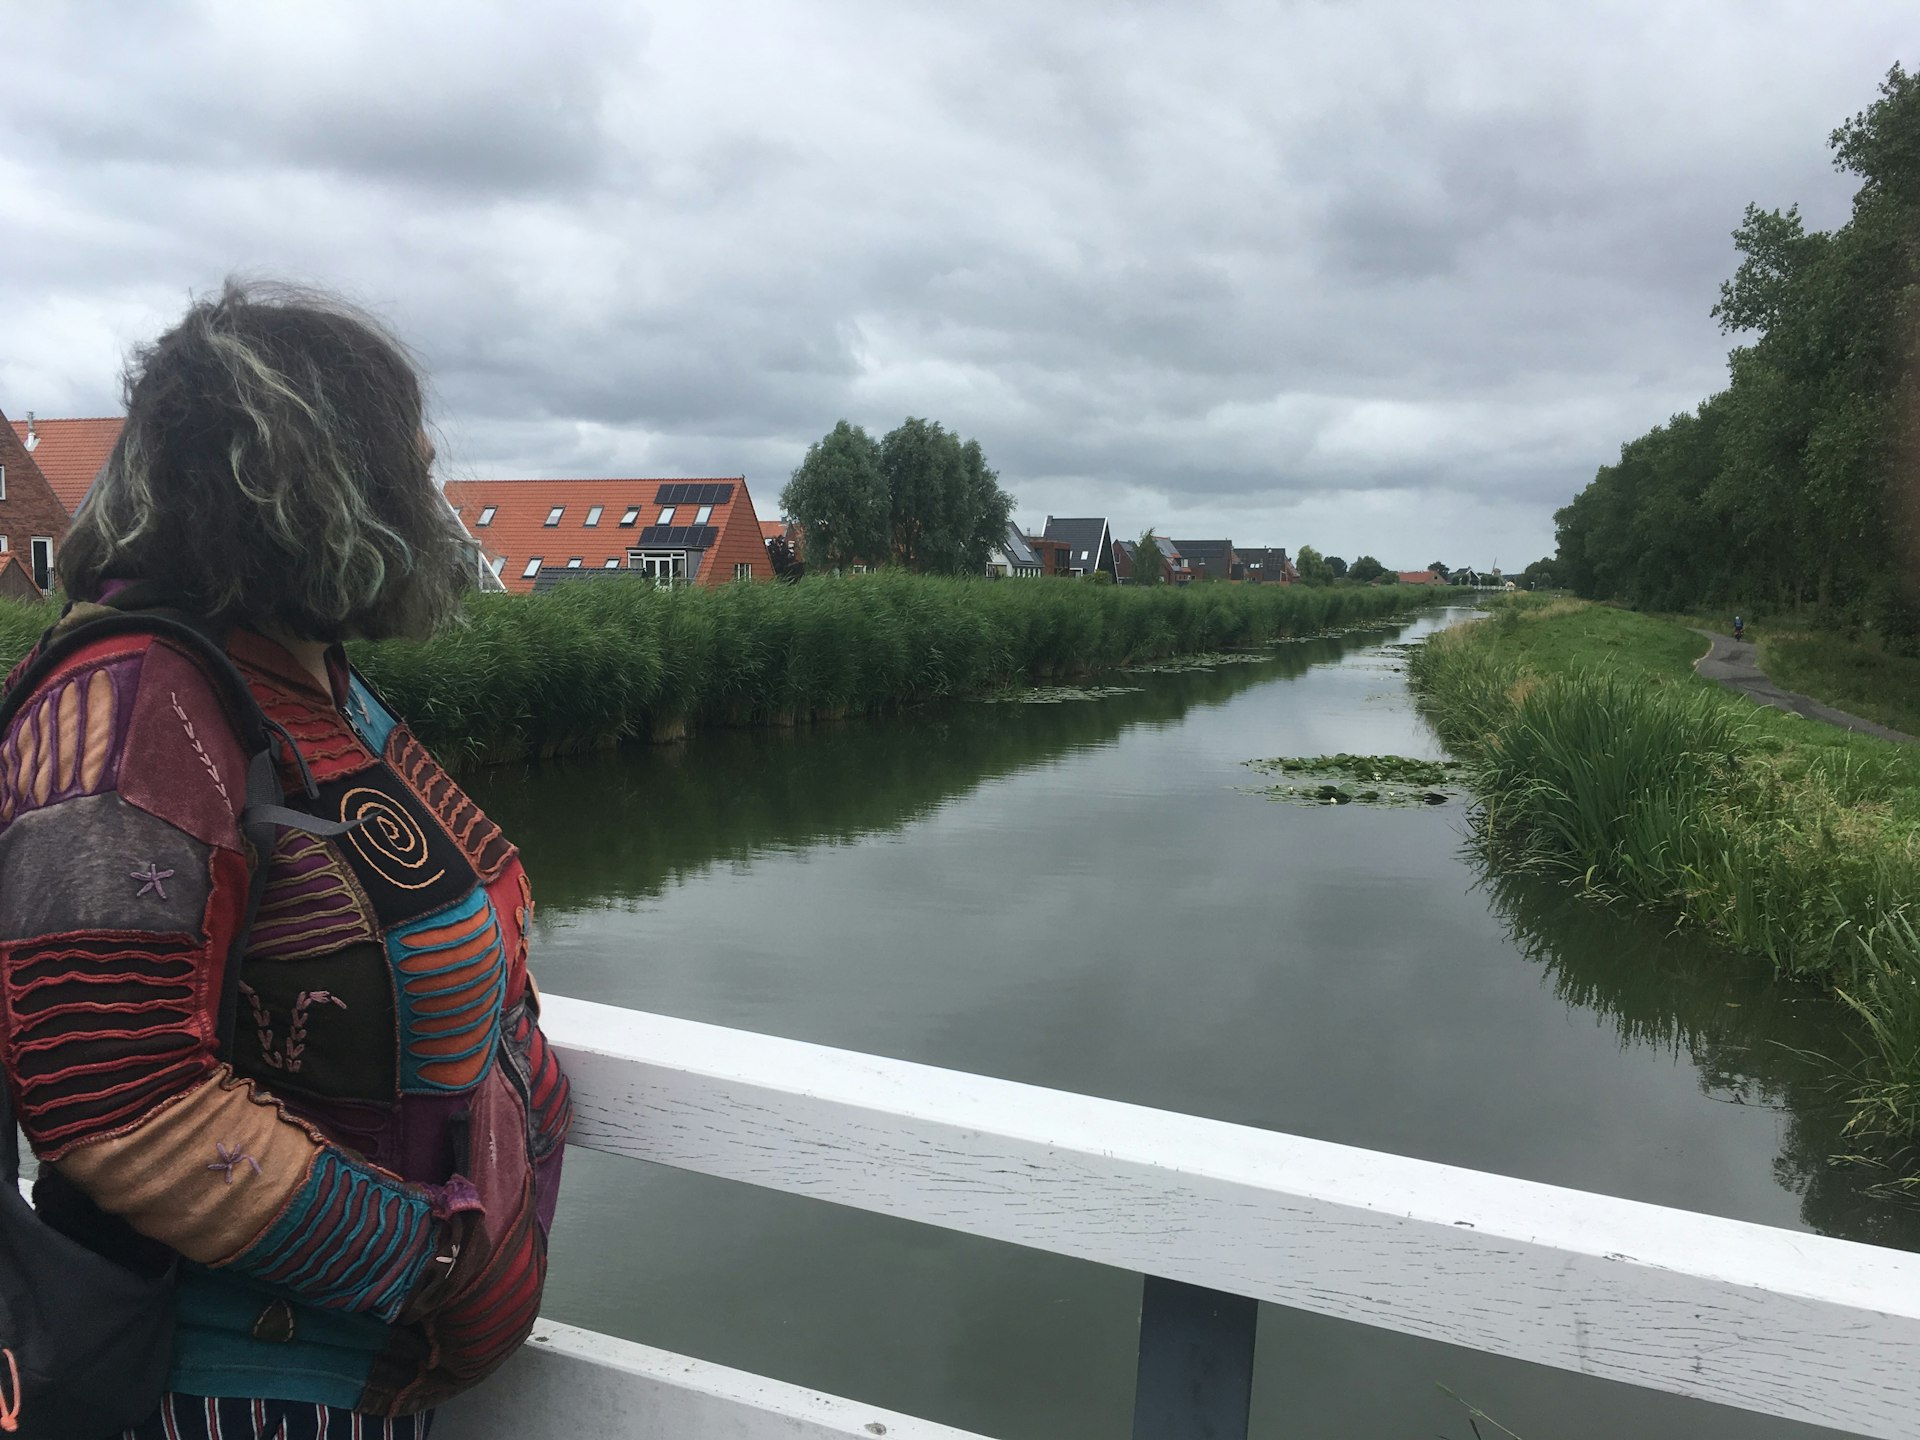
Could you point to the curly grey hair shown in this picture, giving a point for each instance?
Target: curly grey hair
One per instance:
(273, 470)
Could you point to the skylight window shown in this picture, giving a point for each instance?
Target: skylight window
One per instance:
(553, 515)
(533, 569)
(666, 515)
(486, 515)
(613, 564)
(593, 515)
(633, 514)
(574, 563)
(704, 514)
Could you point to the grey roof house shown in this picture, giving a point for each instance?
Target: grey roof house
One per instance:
(1270, 565)
(1089, 545)
(1014, 557)
(1210, 559)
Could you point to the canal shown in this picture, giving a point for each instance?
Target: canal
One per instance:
(1082, 893)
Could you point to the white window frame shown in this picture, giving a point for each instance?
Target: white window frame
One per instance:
(743, 569)
(487, 512)
(666, 514)
(34, 551)
(593, 515)
(703, 515)
(632, 517)
(3, 482)
(575, 562)
(652, 563)
(613, 564)
(553, 515)
(533, 569)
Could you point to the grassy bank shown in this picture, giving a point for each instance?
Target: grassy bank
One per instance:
(586, 666)
(1600, 758)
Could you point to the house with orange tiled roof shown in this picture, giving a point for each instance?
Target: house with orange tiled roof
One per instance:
(538, 533)
(32, 520)
(69, 452)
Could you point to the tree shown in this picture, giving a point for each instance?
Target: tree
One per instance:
(1312, 566)
(988, 506)
(1147, 560)
(1336, 567)
(945, 507)
(838, 496)
(1366, 570)
(1539, 575)
(1793, 483)
(1439, 568)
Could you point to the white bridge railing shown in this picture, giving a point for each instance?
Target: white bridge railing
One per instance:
(1793, 1325)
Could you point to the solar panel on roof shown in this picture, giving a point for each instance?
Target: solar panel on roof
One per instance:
(682, 537)
(693, 492)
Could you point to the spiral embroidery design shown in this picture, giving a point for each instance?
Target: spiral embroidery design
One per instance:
(389, 839)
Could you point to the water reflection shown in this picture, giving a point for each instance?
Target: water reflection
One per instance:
(602, 830)
(1753, 1040)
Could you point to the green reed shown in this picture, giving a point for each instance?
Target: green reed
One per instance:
(592, 664)
(1654, 788)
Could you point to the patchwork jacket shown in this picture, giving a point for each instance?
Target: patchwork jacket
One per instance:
(388, 1091)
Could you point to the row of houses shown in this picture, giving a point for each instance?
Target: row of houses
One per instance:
(530, 535)
(1087, 546)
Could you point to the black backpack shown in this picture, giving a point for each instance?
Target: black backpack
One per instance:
(86, 1304)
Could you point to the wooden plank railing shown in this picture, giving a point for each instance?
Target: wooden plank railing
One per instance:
(1813, 1329)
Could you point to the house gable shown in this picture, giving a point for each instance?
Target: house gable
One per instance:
(70, 453)
(29, 509)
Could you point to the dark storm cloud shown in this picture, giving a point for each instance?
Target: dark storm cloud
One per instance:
(1374, 276)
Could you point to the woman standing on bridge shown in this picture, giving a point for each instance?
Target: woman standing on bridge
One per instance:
(356, 1164)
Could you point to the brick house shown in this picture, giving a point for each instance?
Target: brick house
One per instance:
(33, 522)
(70, 452)
(1054, 556)
(539, 533)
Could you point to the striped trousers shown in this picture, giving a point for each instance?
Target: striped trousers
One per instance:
(195, 1417)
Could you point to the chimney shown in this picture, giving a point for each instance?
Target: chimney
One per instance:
(33, 436)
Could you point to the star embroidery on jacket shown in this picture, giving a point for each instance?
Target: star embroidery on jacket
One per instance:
(230, 1158)
(150, 879)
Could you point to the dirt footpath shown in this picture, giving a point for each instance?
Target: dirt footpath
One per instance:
(1736, 665)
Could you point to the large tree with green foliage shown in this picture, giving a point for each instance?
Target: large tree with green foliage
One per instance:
(1787, 486)
(1366, 570)
(1313, 567)
(919, 497)
(838, 494)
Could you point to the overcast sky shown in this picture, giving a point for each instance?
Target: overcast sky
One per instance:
(1368, 276)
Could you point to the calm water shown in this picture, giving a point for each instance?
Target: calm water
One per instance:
(1080, 895)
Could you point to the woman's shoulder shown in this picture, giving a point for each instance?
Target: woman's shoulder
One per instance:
(132, 711)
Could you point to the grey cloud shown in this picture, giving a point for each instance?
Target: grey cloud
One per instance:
(1235, 259)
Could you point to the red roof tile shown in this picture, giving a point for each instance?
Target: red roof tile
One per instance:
(516, 530)
(71, 452)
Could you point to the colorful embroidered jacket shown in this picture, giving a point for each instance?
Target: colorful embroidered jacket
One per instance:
(389, 1087)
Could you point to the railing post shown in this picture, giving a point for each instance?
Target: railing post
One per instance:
(1195, 1376)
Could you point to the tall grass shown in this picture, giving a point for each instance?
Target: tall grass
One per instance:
(591, 664)
(588, 665)
(1665, 792)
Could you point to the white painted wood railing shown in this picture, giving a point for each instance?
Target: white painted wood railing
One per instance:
(1786, 1324)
